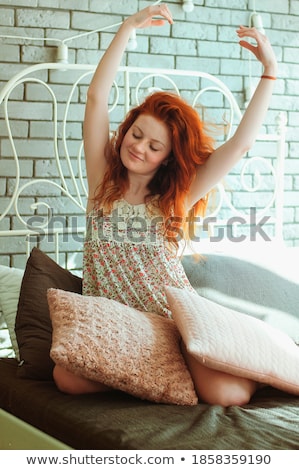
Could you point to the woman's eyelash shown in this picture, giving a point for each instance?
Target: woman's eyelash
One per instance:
(154, 149)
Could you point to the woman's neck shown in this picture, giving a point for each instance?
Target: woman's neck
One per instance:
(137, 191)
(136, 197)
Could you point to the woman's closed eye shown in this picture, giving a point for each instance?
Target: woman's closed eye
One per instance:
(151, 146)
(154, 149)
(136, 136)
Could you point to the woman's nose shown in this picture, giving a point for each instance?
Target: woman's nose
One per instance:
(140, 145)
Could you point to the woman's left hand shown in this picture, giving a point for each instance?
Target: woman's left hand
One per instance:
(262, 50)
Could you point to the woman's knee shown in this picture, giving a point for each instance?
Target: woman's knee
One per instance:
(217, 387)
(65, 381)
(73, 384)
(233, 392)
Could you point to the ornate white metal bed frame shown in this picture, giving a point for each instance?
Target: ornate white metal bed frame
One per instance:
(129, 88)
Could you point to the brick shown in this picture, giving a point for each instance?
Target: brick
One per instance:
(11, 245)
(27, 148)
(294, 7)
(36, 54)
(45, 130)
(125, 7)
(211, 16)
(10, 70)
(288, 182)
(293, 153)
(21, 34)
(289, 37)
(289, 215)
(18, 128)
(290, 54)
(64, 4)
(9, 169)
(276, 6)
(2, 190)
(292, 233)
(157, 60)
(177, 46)
(93, 21)
(67, 243)
(233, 4)
(293, 119)
(194, 31)
(20, 3)
(37, 92)
(43, 18)
(217, 49)
(286, 22)
(23, 110)
(47, 168)
(211, 66)
(19, 261)
(296, 183)
(69, 77)
(83, 42)
(292, 167)
(6, 17)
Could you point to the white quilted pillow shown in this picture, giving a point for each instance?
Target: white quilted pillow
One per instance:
(233, 342)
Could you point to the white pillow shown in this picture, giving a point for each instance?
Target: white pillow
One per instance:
(5, 342)
(233, 342)
(10, 285)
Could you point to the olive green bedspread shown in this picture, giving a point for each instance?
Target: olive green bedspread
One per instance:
(115, 420)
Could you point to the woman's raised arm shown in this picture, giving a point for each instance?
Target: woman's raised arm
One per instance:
(227, 155)
(96, 120)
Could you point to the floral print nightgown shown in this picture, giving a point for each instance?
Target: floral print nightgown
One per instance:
(125, 257)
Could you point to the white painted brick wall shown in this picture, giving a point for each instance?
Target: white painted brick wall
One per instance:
(204, 40)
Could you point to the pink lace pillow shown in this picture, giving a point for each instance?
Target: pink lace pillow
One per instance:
(227, 340)
(133, 351)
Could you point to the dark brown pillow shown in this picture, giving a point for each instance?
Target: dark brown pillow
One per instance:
(33, 325)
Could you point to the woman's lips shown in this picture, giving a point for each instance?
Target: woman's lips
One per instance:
(135, 157)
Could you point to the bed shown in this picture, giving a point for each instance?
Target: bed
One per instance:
(42, 227)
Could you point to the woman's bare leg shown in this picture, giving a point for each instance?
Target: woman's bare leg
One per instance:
(75, 385)
(216, 387)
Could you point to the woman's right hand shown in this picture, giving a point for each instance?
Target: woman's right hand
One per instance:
(145, 18)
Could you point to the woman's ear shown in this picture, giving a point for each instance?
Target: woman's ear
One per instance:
(165, 162)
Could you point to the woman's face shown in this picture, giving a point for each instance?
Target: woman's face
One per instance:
(146, 145)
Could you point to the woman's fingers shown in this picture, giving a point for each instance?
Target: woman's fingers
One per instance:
(163, 10)
(148, 16)
(248, 46)
(262, 49)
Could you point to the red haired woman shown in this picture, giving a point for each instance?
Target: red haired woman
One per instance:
(143, 183)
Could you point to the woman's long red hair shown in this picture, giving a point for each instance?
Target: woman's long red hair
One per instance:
(191, 146)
